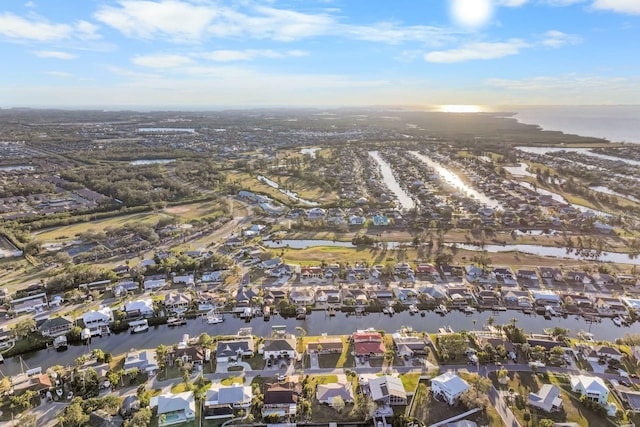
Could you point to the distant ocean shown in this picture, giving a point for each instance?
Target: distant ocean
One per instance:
(617, 123)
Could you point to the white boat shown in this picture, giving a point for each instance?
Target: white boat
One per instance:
(550, 310)
(138, 326)
(212, 320)
(617, 321)
(442, 309)
(176, 321)
(469, 310)
(413, 309)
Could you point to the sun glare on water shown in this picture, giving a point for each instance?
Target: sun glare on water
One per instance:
(460, 109)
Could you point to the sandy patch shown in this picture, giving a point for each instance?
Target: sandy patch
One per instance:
(177, 210)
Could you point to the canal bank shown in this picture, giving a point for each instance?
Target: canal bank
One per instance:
(315, 324)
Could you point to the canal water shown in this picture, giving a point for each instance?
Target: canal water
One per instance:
(404, 200)
(315, 324)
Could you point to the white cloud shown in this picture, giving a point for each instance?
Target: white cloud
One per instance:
(511, 3)
(249, 54)
(40, 30)
(182, 21)
(54, 54)
(62, 74)
(17, 27)
(471, 13)
(161, 61)
(477, 50)
(621, 6)
(555, 39)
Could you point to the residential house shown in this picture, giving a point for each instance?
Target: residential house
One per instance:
(357, 220)
(449, 387)
(608, 306)
(101, 418)
(387, 390)
(174, 408)
(213, 276)
(302, 296)
(527, 274)
(410, 345)
(326, 393)
(311, 275)
(54, 326)
(98, 320)
(325, 345)
(551, 273)
(153, 283)
(280, 399)
(177, 301)
(608, 352)
(230, 350)
(603, 279)
(139, 308)
(29, 304)
(275, 348)
(315, 214)
(189, 354)
(546, 297)
(367, 343)
(186, 279)
(547, 398)
(122, 288)
(578, 277)
(592, 388)
(221, 397)
(144, 360)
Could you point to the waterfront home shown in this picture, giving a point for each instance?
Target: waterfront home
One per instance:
(325, 345)
(633, 304)
(546, 297)
(186, 279)
(608, 352)
(367, 343)
(483, 341)
(232, 350)
(547, 398)
(280, 399)
(592, 388)
(334, 296)
(449, 387)
(177, 301)
(275, 348)
(607, 306)
(97, 320)
(244, 297)
(174, 408)
(7, 338)
(435, 292)
(405, 295)
(387, 390)
(488, 298)
(578, 277)
(302, 296)
(139, 308)
(153, 283)
(144, 360)
(315, 214)
(517, 299)
(221, 400)
(410, 345)
(54, 326)
(189, 354)
(326, 393)
(38, 382)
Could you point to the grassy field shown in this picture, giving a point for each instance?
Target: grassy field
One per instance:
(196, 210)
(410, 382)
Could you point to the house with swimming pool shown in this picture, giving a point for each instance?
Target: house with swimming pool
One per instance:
(174, 408)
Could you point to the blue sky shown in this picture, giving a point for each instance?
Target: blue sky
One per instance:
(319, 52)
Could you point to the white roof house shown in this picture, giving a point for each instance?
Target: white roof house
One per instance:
(593, 388)
(449, 386)
(186, 279)
(547, 398)
(325, 393)
(144, 307)
(238, 396)
(174, 408)
(151, 284)
(145, 360)
(388, 389)
(100, 317)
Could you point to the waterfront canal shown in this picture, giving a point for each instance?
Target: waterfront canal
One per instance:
(315, 324)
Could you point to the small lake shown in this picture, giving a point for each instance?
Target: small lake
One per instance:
(315, 324)
(304, 244)
(16, 168)
(455, 181)
(151, 162)
(551, 251)
(287, 193)
(404, 200)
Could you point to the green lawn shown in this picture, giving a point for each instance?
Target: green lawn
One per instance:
(69, 232)
(232, 380)
(409, 381)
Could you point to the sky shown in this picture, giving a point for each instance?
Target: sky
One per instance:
(198, 53)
